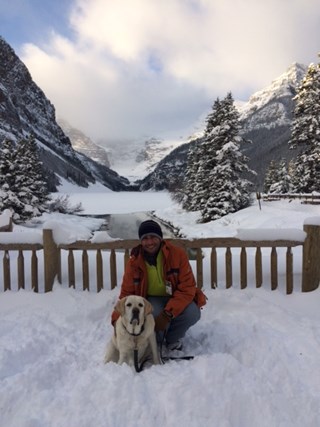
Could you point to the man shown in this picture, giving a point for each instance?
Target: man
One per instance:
(161, 273)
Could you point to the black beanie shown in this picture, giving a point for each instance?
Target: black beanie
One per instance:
(149, 227)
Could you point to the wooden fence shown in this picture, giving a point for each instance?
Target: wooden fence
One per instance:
(313, 199)
(59, 261)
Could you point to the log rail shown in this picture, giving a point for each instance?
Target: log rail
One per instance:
(224, 254)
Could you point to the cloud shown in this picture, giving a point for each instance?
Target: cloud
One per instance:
(141, 68)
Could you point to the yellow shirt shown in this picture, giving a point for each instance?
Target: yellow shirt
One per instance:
(156, 284)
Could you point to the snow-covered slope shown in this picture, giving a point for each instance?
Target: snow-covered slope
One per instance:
(270, 107)
(267, 118)
(83, 144)
(135, 160)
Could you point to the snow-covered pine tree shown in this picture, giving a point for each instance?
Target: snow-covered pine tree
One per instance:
(226, 188)
(7, 162)
(30, 181)
(282, 184)
(271, 176)
(22, 188)
(306, 173)
(200, 162)
(8, 198)
(305, 129)
(215, 117)
(190, 200)
(298, 174)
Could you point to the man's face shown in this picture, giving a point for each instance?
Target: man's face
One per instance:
(151, 244)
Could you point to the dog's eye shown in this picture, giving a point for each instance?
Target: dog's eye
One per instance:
(140, 304)
(129, 304)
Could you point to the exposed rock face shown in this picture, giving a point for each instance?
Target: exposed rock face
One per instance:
(83, 144)
(267, 118)
(25, 110)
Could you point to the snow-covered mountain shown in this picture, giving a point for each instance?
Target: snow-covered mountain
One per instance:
(266, 120)
(25, 111)
(154, 162)
(83, 144)
(136, 159)
(272, 106)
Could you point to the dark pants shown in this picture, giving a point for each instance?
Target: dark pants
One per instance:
(180, 324)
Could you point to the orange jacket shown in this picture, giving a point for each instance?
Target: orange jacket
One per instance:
(176, 270)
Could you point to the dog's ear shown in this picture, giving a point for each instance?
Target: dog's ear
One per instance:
(120, 306)
(148, 309)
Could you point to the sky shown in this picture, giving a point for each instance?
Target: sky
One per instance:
(256, 351)
(123, 70)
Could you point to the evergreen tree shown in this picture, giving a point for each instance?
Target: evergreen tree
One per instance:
(30, 180)
(215, 117)
(298, 174)
(306, 172)
(8, 197)
(218, 185)
(271, 176)
(23, 188)
(305, 130)
(229, 191)
(190, 200)
(282, 183)
(201, 161)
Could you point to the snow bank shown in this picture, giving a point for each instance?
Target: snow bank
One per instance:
(271, 234)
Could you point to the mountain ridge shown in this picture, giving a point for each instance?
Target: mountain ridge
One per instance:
(153, 163)
(266, 119)
(26, 111)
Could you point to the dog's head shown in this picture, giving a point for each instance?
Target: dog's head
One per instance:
(133, 310)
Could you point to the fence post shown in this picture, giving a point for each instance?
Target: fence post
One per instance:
(50, 259)
(311, 258)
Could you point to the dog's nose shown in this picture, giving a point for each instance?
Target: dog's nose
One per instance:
(135, 313)
(135, 316)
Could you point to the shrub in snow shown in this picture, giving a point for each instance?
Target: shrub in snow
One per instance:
(62, 204)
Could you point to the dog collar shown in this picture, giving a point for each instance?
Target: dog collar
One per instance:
(132, 334)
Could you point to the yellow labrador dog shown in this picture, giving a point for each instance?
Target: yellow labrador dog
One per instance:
(134, 339)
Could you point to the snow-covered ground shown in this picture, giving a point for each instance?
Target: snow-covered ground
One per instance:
(256, 351)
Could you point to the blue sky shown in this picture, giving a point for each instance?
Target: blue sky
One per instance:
(32, 21)
(137, 68)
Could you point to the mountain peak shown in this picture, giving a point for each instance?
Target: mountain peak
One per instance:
(283, 86)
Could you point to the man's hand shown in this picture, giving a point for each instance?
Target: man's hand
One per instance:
(162, 321)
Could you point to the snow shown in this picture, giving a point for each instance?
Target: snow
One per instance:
(63, 233)
(18, 237)
(126, 162)
(256, 351)
(101, 237)
(5, 217)
(268, 234)
(281, 86)
(312, 221)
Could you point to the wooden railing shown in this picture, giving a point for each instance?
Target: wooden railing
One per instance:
(78, 263)
(196, 248)
(305, 198)
(21, 250)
